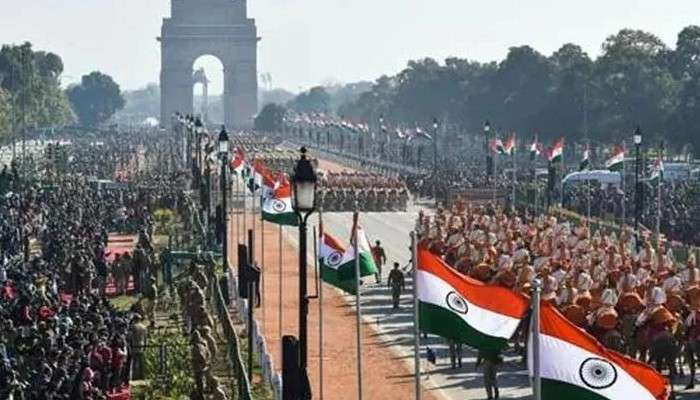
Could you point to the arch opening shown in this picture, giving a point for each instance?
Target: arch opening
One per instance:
(208, 88)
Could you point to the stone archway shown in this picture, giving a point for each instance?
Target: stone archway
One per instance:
(200, 76)
(209, 27)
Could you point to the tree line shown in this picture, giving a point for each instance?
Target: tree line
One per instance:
(31, 95)
(636, 81)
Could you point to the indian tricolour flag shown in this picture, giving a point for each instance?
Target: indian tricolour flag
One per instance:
(238, 162)
(255, 178)
(657, 171)
(462, 309)
(534, 148)
(509, 145)
(338, 263)
(617, 160)
(497, 146)
(575, 366)
(585, 160)
(277, 203)
(557, 151)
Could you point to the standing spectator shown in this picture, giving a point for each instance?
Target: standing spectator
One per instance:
(138, 336)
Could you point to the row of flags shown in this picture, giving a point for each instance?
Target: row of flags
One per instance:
(337, 261)
(322, 120)
(572, 363)
(508, 147)
(555, 152)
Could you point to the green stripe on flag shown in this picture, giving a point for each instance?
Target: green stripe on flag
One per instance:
(443, 322)
(343, 276)
(344, 280)
(289, 219)
(617, 167)
(552, 389)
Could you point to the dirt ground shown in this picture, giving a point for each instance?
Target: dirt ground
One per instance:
(386, 375)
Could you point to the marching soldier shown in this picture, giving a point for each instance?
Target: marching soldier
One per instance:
(379, 260)
(491, 360)
(397, 283)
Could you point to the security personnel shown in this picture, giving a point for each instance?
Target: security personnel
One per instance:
(397, 283)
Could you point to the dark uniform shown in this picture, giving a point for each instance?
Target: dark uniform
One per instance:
(379, 260)
(396, 283)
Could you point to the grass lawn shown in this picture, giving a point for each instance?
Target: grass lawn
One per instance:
(123, 303)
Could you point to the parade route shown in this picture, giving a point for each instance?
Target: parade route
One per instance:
(387, 334)
(382, 378)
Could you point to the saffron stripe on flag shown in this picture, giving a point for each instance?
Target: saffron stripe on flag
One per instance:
(495, 298)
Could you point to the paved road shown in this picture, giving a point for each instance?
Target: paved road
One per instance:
(396, 328)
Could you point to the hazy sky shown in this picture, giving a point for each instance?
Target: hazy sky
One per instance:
(306, 42)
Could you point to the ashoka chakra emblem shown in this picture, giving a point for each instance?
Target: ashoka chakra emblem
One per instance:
(457, 303)
(278, 205)
(334, 259)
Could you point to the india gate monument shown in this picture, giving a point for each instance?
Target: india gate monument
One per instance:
(220, 28)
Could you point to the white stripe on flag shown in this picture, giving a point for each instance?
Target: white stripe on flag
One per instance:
(433, 290)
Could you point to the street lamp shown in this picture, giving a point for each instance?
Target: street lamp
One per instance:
(304, 184)
(489, 160)
(198, 128)
(637, 186)
(384, 137)
(223, 153)
(435, 158)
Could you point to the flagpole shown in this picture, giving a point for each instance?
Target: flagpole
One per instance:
(238, 212)
(588, 186)
(561, 181)
(512, 151)
(279, 291)
(416, 319)
(533, 166)
(658, 199)
(262, 266)
(253, 214)
(624, 206)
(535, 326)
(588, 154)
(495, 177)
(245, 213)
(319, 290)
(359, 306)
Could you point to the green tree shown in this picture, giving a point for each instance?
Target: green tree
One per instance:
(139, 104)
(371, 104)
(685, 122)
(316, 100)
(279, 96)
(570, 97)
(341, 94)
(637, 80)
(31, 83)
(271, 118)
(633, 85)
(521, 89)
(96, 99)
(5, 113)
